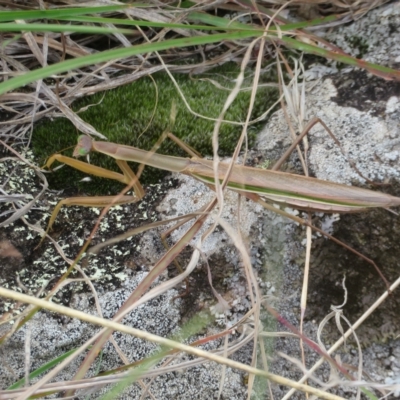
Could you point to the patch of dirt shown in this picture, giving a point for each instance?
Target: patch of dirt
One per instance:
(28, 268)
(364, 92)
(200, 297)
(376, 235)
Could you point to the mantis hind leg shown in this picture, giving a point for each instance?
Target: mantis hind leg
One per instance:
(305, 132)
(127, 177)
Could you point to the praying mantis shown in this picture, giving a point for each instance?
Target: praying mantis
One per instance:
(292, 190)
(260, 185)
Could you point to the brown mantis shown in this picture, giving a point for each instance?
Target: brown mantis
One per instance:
(257, 184)
(296, 191)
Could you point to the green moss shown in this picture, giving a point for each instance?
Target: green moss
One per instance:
(123, 114)
(358, 43)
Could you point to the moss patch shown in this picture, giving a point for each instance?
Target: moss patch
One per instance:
(358, 43)
(123, 114)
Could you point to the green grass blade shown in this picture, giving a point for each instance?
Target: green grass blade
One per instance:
(228, 24)
(150, 24)
(369, 394)
(13, 27)
(195, 325)
(20, 383)
(219, 22)
(249, 5)
(57, 13)
(115, 54)
(379, 70)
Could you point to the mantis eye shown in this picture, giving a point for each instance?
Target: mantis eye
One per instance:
(83, 147)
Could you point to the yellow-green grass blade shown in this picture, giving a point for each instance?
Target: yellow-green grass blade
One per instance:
(59, 12)
(116, 54)
(152, 24)
(379, 70)
(41, 370)
(37, 27)
(376, 69)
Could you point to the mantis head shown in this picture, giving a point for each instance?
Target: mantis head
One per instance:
(83, 147)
